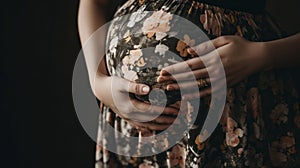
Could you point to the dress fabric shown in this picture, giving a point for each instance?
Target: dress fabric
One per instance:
(261, 120)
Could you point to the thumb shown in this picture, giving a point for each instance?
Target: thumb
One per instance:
(136, 88)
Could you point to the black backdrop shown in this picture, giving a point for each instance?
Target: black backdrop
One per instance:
(39, 46)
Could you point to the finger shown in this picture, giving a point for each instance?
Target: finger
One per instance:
(149, 125)
(162, 119)
(151, 109)
(188, 85)
(189, 65)
(192, 75)
(210, 59)
(201, 49)
(203, 93)
(208, 46)
(187, 80)
(135, 88)
(176, 105)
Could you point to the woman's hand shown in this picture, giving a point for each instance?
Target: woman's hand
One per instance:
(114, 92)
(240, 58)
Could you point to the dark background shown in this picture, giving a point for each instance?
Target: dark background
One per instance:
(39, 46)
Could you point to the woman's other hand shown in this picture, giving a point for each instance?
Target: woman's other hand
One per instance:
(114, 92)
(240, 58)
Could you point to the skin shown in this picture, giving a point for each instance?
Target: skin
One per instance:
(239, 57)
(91, 16)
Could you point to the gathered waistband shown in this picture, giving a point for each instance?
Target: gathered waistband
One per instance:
(251, 6)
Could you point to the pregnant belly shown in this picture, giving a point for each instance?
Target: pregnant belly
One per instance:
(141, 43)
(145, 42)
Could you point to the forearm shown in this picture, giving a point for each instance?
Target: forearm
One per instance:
(284, 53)
(92, 15)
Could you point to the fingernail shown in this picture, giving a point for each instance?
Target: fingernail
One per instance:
(164, 72)
(145, 89)
(190, 51)
(160, 79)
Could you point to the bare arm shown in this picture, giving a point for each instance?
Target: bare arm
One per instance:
(114, 91)
(92, 15)
(284, 53)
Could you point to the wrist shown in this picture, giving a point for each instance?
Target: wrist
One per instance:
(265, 57)
(100, 84)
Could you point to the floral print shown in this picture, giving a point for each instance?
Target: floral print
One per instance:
(182, 46)
(134, 57)
(161, 49)
(233, 133)
(260, 124)
(211, 22)
(136, 17)
(158, 22)
(177, 156)
(200, 140)
(282, 148)
(280, 114)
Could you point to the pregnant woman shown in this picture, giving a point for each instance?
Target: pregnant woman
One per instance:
(260, 124)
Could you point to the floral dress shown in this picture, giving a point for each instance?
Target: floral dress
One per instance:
(260, 123)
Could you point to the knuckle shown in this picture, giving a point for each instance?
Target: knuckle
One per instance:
(136, 88)
(224, 39)
(128, 87)
(170, 70)
(190, 75)
(187, 67)
(190, 66)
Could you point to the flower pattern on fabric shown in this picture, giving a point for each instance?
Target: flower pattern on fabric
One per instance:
(200, 140)
(233, 133)
(177, 156)
(182, 46)
(157, 22)
(136, 17)
(161, 49)
(212, 22)
(260, 124)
